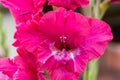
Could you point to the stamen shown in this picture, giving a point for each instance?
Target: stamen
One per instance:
(64, 44)
(63, 39)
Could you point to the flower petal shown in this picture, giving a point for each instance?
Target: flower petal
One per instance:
(28, 36)
(3, 76)
(7, 67)
(28, 66)
(63, 74)
(97, 40)
(22, 10)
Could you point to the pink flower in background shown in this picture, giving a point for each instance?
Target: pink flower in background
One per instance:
(23, 10)
(23, 67)
(115, 1)
(70, 4)
(64, 41)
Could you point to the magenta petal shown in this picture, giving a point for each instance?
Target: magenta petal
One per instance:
(60, 70)
(3, 76)
(23, 10)
(80, 62)
(20, 9)
(7, 67)
(24, 67)
(28, 67)
(28, 36)
(72, 67)
(63, 74)
(96, 42)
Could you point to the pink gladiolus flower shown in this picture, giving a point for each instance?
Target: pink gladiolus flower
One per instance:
(23, 10)
(23, 67)
(64, 41)
(70, 4)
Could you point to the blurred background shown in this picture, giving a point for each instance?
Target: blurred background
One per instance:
(7, 30)
(109, 63)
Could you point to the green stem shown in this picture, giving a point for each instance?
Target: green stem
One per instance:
(86, 73)
(97, 8)
(91, 70)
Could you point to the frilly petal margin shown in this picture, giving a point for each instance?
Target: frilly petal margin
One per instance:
(60, 70)
(98, 38)
(28, 67)
(28, 36)
(23, 10)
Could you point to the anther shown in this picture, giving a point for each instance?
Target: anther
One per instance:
(63, 39)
